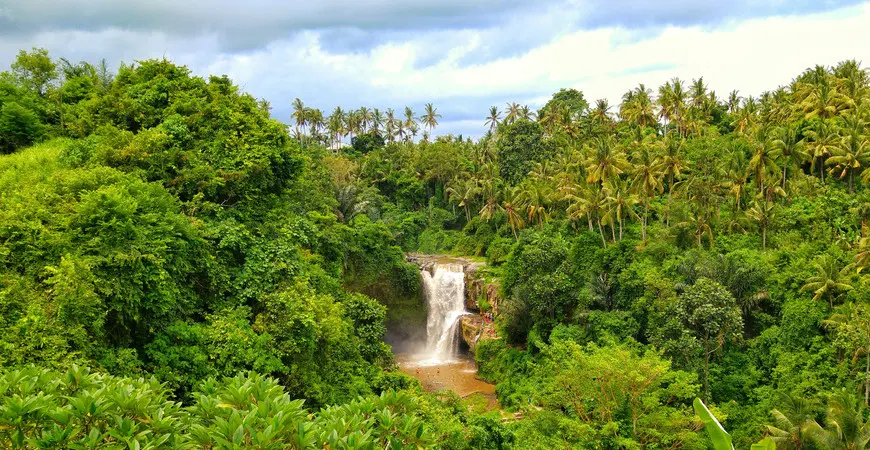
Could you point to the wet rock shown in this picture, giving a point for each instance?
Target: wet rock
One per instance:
(471, 325)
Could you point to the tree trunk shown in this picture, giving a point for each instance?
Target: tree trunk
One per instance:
(620, 230)
(867, 380)
(822, 169)
(589, 219)
(643, 222)
(601, 232)
(764, 237)
(613, 231)
(851, 177)
(784, 172)
(670, 192)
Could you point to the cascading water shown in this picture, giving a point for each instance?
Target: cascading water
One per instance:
(445, 296)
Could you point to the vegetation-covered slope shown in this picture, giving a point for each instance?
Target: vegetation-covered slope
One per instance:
(679, 245)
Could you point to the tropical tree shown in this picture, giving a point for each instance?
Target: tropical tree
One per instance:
(762, 212)
(788, 148)
(830, 281)
(493, 119)
(850, 156)
(430, 117)
(646, 180)
(620, 201)
(299, 115)
(823, 140)
(845, 424)
(606, 161)
(792, 421)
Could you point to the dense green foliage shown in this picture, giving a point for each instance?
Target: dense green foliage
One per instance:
(172, 228)
(163, 225)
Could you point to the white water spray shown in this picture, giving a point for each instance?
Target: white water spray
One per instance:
(445, 296)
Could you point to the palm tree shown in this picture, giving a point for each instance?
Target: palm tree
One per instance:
(526, 113)
(365, 117)
(699, 221)
(377, 121)
(513, 113)
(646, 181)
(829, 281)
(534, 197)
(606, 162)
(792, 421)
(465, 192)
(762, 161)
(823, 141)
(511, 209)
(733, 101)
(299, 115)
(736, 172)
(336, 123)
(788, 148)
(849, 157)
(587, 200)
(493, 120)
(410, 123)
(316, 121)
(620, 201)
(430, 117)
(390, 124)
(822, 100)
(763, 214)
(673, 164)
(845, 425)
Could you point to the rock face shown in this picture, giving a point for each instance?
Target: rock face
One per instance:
(472, 325)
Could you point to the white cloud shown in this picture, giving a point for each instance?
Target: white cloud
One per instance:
(750, 55)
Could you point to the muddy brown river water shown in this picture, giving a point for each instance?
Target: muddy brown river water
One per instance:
(459, 376)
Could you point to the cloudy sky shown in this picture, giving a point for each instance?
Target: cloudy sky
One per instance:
(462, 55)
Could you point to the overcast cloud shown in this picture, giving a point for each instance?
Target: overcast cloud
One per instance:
(463, 56)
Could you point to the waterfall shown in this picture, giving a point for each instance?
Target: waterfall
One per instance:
(445, 296)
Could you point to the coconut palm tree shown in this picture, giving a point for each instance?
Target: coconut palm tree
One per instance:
(763, 213)
(513, 113)
(788, 148)
(845, 425)
(430, 117)
(830, 281)
(494, 118)
(792, 421)
(464, 192)
(673, 163)
(526, 113)
(620, 201)
(587, 200)
(646, 180)
(512, 209)
(377, 121)
(762, 160)
(852, 153)
(299, 115)
(390, 124)
(733, 101)
(822, 142)
(410, 122)
(534, 197)
(607, 160)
